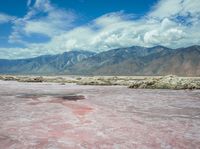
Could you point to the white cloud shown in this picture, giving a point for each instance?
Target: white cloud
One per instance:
(17, 53)
(166, 8)
(169, 8)
(4, 18)
(171, 23)
(56, 22)
(42, 18)
(113, 31)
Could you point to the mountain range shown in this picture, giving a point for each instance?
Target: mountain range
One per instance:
(133, 60)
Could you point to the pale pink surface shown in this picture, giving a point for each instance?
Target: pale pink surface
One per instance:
(34, 116)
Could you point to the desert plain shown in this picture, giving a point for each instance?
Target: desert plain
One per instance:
(39, 114)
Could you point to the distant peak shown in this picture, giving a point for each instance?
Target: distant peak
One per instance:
(160, 46)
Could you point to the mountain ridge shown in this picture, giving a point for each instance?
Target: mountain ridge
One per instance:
(135, 60)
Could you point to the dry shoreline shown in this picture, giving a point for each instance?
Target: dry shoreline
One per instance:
(142, 82)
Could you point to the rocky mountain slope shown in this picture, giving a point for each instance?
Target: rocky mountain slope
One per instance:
(134, 60)
(47, 64)
(143, 61)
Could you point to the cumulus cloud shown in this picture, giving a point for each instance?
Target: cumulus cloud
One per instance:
(173, 8)
(171, 23)
(115, 31)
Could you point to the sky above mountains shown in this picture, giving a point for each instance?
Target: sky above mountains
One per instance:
(30, 28)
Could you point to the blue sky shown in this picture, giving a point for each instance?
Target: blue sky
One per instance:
(30, 28)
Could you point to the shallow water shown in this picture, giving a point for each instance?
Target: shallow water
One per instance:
(47, 115)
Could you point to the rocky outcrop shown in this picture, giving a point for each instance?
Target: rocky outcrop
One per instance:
(167, 82)
(32, 79)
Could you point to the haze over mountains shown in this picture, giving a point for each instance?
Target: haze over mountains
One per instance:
(133, 60)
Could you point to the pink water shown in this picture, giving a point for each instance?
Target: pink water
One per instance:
(54, 116)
